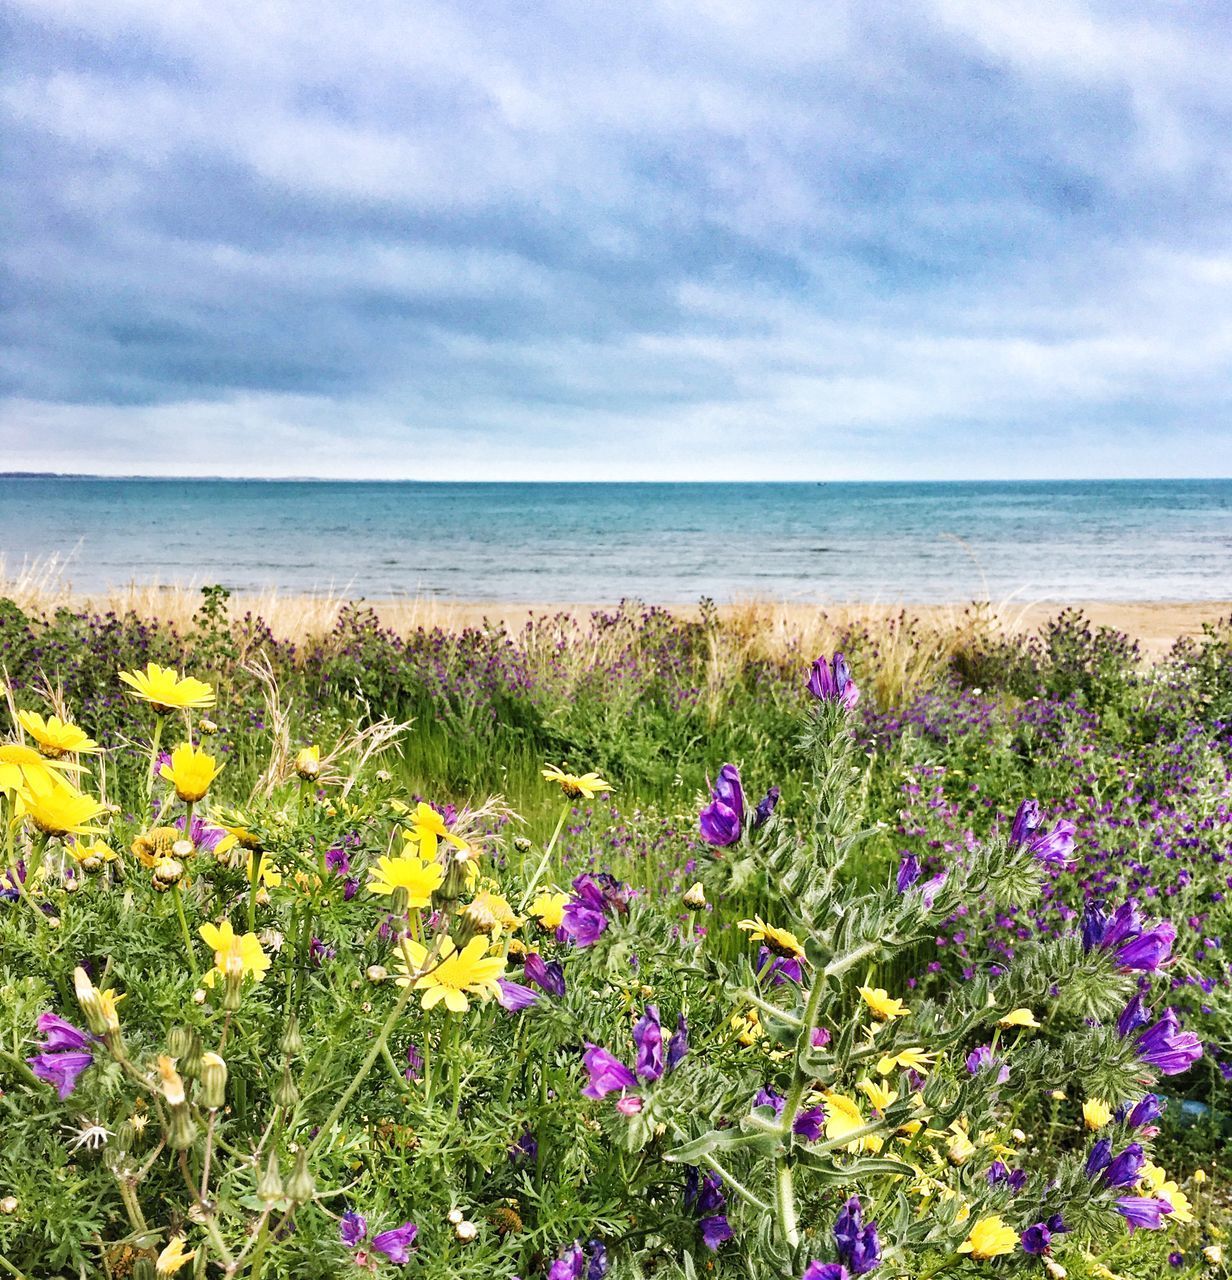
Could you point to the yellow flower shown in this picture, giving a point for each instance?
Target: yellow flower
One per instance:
(233, 954)
(990, 1238)
(56, 807)
(1199, 1176)
(489, 908)
(576, 787)
(1157, 1182)
(1096, 1113)
(163, 688)
(98, 1006)
(881, 1004)
(428, 829)
(91, 855)
(781, 941)
(308, 762)
(843, 1116)
(153, 847)
(268, 875)
(418, 876)
(173, 1257)
(878, 1095)
(747, 1027)
(1018, 1018)
(960, 1148)
(55, 736)
(170, 1081)
(909, 1060)
(18, 763)
(453, 974)
(190, 772)
(549, 909)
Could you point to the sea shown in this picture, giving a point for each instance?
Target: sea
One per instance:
(809, 542)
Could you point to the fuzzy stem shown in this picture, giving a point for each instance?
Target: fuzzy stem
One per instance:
(528, 892)
(178, 899)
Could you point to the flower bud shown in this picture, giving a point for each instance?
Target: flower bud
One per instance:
(301, 1186)
(143, 1269)
(376, 973)
(179, 1042)
(170, 1081)
(308, 763)
(466, 1231)
(124, 1137)
(459, 863)
(400, 902)
(182, 1130)
(454, 1216)
(695, 896)
(1199, 1175)
(168, 872)
(183, 849)
(213, 1092)
(522, 844)
(9, 1205)
(292, 1042)
(269, 1185)
(286, 1095)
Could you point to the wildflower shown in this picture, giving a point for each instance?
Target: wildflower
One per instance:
(308, 762)
(549, 909)
(1166, 1047)
(781, 941)
(1018, 1018)
(64, 1054)
(92, 856)
(830, 681)
(1134, 946)
(843, 1117)
(420, 877)
(1099, 1157)
(981, 1059)
(704, 1197)
(163, 688)
(882, 1006)
(56, 737)
(607, 1074)
(266, 872)
(1145, 1112)
(190, 772)
(765, 808)
(694, 896)
(396, 1243)
(1036, 1239)
(857, 1241)
(1143, 1211)
(18, 763)
(1157, 1182)
(1124, 1169)
(908, 1060)
(173, 1257)
(454, 974)
(1096, 1113)
(722, 820)
(491, 913)
(578, 1263)
(56, 807)
(98, 1006)
(587, 786)
(1055, 847)
(878, 1095)
(826, 1271)
(549, 977)
(428, 828)
(585, 916)
(908, 872)
(513, 997)
(778, 969)
(353, 1228)
(989, 1238)
(234, 955)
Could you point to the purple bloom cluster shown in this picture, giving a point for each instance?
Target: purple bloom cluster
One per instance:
(830, 681)
(596, 900)
(856, 1242)
(721, 822)
(394, 1244)
(1134, 946)
(704, 1198)
(1163, 1045)
(607, 1074)
(580, 1263)
(809, 1124)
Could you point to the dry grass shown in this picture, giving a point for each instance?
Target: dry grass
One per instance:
(910, 640)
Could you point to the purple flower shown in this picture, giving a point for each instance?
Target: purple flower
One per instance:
(513, 996)
(981, 1059)
(1167, 1048)
(1149, 950)
(586, 914)
(820, 1038)
(1146, 1112)
(64, 1054)
(526, 1148)
(722, 820)
(1094, 924)
(648, 1037)
(338, 861)
(1134, 1016)
(767, 1098)
(908, 872)
(318, 952)
(396, 1244)
(857, 1241)
(780, 969)
(765, 807)
(570, 1265)
(1056, 847)
(704, 1197)
(1125, 1169)
(548, 977)
(1036, 1239)
(715, 1229)
(931, 888)
(809, 1124)
(1143, 1211)
(1099, 1158)
(678, 1045)
(60, 1069)
(414, 1063)
(826, 1271)
(830, 681)
(607, 1073)
(353, 1228)
(1025, 822)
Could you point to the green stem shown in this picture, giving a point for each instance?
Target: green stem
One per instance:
(254, 879)
(155, 740)
(528, 892)
(178, 899)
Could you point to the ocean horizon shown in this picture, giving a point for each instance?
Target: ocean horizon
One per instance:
(917, 542)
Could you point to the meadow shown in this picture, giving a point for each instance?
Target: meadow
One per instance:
(626, 944)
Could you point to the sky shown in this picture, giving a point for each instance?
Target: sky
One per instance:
(602, 240)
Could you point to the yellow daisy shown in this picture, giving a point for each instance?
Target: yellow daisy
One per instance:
(172, 1258)
(549, 908)
(427, 829)
(92, 855)
(909, 1060)
(267, 874)
(1018, 1018)
(1096, 1113)
(577, 787)
(882, 1005)
(163, 688)
(990, 1238)
(843, 1116)
(54, 736)
(56, 807)
(454, 975)
(19, 762)
(781, 941)
(190, 772)
(420, 877)
(233, 953)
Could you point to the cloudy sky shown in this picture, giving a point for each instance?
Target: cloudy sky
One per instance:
(595, 239)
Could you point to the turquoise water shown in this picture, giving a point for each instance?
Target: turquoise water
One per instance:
(669, 543)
